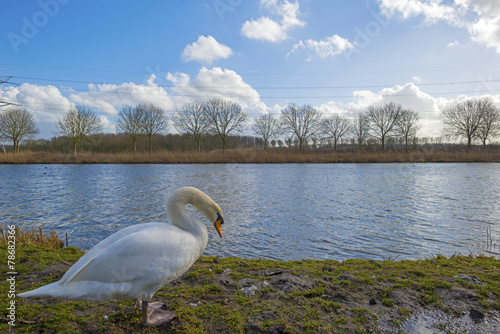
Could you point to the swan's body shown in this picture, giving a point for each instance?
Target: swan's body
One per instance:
(137, 261)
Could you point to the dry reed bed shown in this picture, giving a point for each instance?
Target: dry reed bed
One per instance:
(248, 156)
(34, 236)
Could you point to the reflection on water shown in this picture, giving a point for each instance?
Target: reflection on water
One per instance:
(288, 211)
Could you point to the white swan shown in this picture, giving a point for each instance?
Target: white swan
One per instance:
(137, 261)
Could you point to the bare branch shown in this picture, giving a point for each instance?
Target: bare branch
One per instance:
(192, 119)
(78, 124)
(267, 127)
(336, 127)
(303, 123)
(225, 117)
(17, 124)
(383, 119)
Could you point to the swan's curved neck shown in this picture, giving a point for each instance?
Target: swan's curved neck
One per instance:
(180, 217)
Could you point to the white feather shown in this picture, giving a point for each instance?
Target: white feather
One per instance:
(137, 261)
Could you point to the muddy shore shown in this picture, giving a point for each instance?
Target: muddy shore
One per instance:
(233, 295)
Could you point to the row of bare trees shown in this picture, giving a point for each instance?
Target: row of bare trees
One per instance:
(305, 123)
(142, 120)
(472, 119)
(216, 116)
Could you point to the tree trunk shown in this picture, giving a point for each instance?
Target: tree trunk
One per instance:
(151, 144)
(224, 140)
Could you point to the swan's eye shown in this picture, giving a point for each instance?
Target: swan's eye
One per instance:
(219, 217)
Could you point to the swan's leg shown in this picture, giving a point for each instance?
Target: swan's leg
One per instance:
(138, 303)
(145, 314)
(153, 315)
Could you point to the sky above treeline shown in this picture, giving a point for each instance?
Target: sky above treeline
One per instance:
(338, 56)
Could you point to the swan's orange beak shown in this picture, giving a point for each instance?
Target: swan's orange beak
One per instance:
(218, 223)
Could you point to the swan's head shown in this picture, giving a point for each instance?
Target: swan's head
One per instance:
(202, 202)
(213, 212)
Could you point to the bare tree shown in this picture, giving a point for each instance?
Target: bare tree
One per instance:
(465, 119)
(304, 123)
(225, 117)
(79, 123)
(490, 121)
(336, 127)
(130, 122)
(267, 127)
(407, 125)
(154, 122)
(361, 127)
(17, 124)
(383, 120)
(192, 119)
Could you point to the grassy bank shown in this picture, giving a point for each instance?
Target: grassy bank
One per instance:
(233, 295)
(250, 156)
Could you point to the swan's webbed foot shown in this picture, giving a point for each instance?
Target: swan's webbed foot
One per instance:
(153, 315)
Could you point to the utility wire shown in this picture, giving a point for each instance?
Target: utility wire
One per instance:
(358, 87)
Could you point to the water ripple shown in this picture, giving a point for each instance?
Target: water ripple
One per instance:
(285, 212)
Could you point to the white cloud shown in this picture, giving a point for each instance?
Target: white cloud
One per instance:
(481, 18)
(264, 29)
(215, 82)
(108, 97)
(432, 10)
(487, 31)
(267, 29)
(330, 108)
(453, 44)
(46, 102)
(206, 50)
(329, 47)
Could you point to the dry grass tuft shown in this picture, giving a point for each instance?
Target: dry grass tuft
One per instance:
(35, 237)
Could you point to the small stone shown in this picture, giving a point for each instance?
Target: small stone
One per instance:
(250, 290)
(271, 272)
(373, 301)
(470, 279)
(476, 315)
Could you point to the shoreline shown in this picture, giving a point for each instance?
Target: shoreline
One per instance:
(251, 156)
(267, 296)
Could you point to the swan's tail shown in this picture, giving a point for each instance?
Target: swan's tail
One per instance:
(49, 290)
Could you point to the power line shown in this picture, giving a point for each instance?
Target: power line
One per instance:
(357, 87)
(258, 73)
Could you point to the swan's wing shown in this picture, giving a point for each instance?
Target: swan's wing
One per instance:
(85, 260)
(151, 255)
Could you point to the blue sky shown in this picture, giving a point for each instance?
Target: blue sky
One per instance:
(339, 56)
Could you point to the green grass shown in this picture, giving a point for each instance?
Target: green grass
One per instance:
(295, 296)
